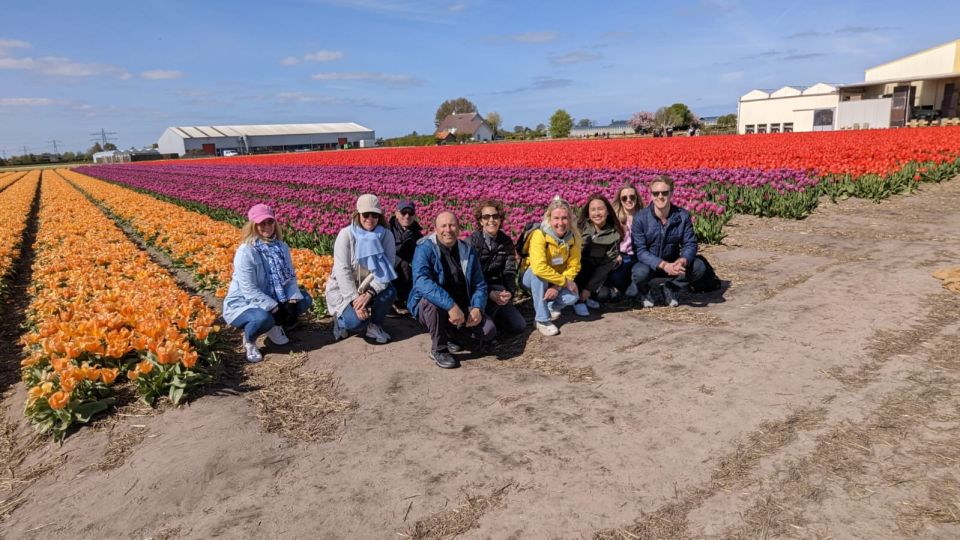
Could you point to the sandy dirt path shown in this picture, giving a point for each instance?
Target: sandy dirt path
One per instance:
(817, 396)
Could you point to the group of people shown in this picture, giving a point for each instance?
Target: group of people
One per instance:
(463, 290)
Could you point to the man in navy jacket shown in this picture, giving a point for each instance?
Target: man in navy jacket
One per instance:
(665, 245)
(449, 293)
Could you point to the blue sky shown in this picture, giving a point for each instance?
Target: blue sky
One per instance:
(69, 69)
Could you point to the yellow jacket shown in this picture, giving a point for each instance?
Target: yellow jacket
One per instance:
(551, 261)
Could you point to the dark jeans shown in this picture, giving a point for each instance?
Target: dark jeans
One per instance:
(441, 331)
(620, 276)
(506, 318)
(256, 322)
(379, 306)
(592, 276)
(642, 274)
(404, 281)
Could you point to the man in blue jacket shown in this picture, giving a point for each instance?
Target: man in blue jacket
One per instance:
(665, 245)
(449, 293)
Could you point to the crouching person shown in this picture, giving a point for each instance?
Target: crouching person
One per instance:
(449, 293)
(263, 296)
(554, 259)
(665, 245)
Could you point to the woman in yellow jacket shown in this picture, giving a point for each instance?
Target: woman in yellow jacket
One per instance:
(554, 258)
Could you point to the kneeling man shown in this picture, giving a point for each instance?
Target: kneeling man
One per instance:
(449, 293)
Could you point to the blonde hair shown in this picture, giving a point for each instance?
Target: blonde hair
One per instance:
(249, 232)
(558, 203)
(618, 204)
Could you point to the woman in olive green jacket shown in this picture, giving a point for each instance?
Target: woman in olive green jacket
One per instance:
(601, 232)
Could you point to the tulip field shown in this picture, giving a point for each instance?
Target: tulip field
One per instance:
(102, 312)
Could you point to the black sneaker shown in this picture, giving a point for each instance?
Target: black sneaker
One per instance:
(670, 296)
(453, 347)
(444, 359)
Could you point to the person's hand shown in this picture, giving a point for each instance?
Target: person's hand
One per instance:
(551, 293)
(673, 269)
(505, 297)
(682, 264)
(475, 317)
(275, 308)
(496, 297)
(618, 262)
(456, 315)
(584, 295)
(360, 304)
(572, 286)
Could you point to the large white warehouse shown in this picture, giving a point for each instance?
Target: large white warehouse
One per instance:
(920, 89)
(215, 140)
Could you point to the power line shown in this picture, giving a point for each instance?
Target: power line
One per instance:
(54, 143)
(102, 137)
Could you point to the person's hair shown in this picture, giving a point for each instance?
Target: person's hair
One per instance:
(618, 205)
(612, 219)
(355, 219)
(558, 203)
(478, 211)
(249, 232)
(661, 179)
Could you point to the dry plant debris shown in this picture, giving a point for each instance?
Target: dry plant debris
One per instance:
(458, 520)
(685, 315)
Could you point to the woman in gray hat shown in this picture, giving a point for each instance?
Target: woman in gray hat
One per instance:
(359, 292)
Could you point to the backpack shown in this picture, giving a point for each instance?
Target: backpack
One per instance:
(709, 282)
(523, 239)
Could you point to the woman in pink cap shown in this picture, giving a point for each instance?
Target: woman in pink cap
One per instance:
(263, 296)
(359, 289)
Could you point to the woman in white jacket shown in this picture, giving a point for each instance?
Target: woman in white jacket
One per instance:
(359, 292)
(263, 296)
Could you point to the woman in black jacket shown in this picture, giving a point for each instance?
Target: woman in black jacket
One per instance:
(498, 261)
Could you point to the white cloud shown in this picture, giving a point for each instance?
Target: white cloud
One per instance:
(731, 76)
(6, 44)
(28, 102)
(306, 97)
(528, 37)
(290, 61)
(457, 8)
(575, 57)
(323, 56)
(161, 74)
(396, 81)
(59, 66)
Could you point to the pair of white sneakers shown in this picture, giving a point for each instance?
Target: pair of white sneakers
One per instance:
(276, 335)
(374, 332)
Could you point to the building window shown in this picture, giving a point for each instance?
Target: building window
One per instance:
(788, 127)
(761, 128)
(774, 128)
(749, 128)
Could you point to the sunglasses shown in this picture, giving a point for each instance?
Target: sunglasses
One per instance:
(486, 217)
(268, 221)
(406, 212)
(368, 215)
(626, 198)
(660, 193)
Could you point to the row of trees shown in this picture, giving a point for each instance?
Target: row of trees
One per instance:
(63, 157)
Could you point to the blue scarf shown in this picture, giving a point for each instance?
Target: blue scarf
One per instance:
(279, 273)
(370, 253)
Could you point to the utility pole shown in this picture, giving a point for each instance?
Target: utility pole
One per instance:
(102, 137)
(25, 153)
(55, 149)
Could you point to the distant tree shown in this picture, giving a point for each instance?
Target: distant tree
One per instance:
(93, 150)
(727, 121)
(453, 106)
(494, 121)
(410, 140)
(109, 146)
(584, 123)
(560, 124)
(642, 121)
(682, 112)
(667, 117)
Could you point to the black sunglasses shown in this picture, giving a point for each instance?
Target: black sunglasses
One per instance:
(485, 217)
(628, 197)
(407, 212)
(660, 193)
(368, 215)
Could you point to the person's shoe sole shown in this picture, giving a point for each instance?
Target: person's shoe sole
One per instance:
(444, 364)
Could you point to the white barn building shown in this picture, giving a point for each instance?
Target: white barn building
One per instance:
(919, 89)
(215, 140)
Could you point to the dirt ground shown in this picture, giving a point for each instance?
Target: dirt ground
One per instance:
(815, 397)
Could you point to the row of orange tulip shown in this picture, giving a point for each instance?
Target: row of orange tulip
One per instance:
(15, 201)
(198, 242)
(102, 311)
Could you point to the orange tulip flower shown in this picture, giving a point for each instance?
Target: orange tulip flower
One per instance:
(59, 400)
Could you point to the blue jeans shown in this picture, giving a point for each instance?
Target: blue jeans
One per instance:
(380, 306)
(642, 274)
(537, 287)
(255, 321)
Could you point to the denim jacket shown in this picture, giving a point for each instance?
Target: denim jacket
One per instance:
(428, 277)
(249, 283)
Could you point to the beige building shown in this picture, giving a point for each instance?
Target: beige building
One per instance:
(920, 89)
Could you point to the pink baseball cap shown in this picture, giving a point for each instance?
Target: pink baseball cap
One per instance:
(260, 212)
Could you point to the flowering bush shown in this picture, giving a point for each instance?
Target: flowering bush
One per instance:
(100, 306)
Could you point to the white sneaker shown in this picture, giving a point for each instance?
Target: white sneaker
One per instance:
(253, 353)
(592, 304)
(339, 332)
(548, 328)
(278, 336)
(376, 333)
(554, 312)
(648, 299)
(581, 309)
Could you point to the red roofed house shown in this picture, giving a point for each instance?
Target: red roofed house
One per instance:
(464, 125)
